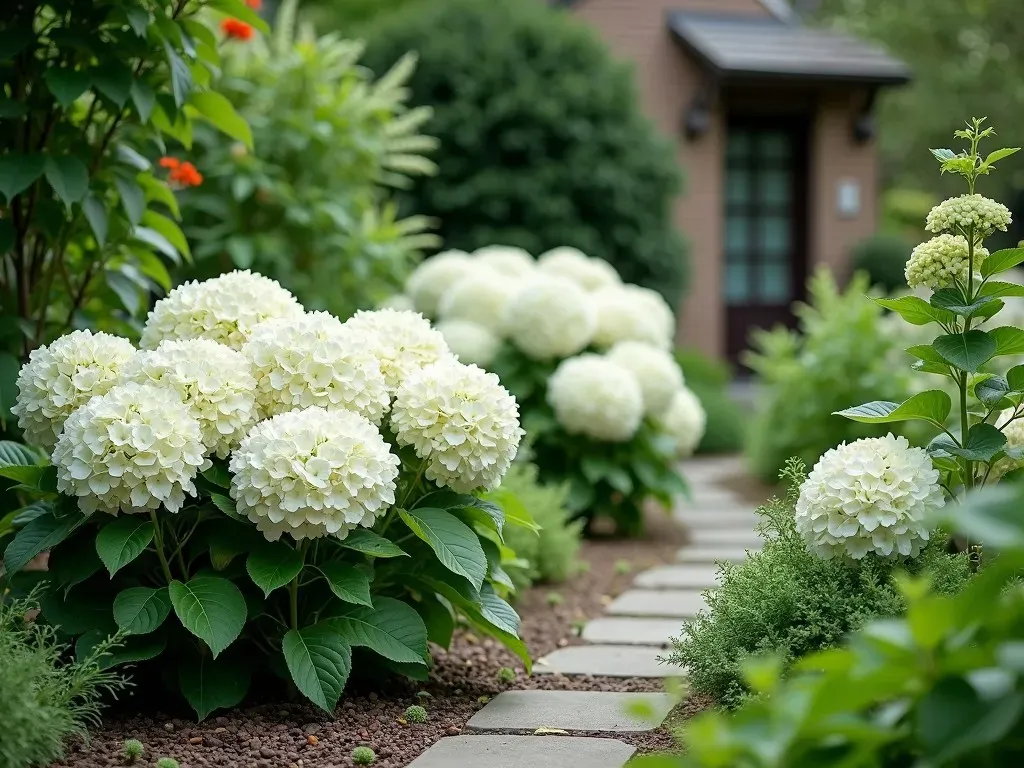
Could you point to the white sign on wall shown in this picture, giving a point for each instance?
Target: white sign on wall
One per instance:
(848, 198)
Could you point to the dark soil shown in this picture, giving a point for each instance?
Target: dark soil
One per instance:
(295, 735)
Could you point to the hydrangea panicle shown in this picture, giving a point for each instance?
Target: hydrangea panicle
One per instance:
(472, 344)
(684, 420)
(402, 341)
(479, 296)
(506, 260)
(590, 274)
(596, 397)
(967, 213)
(550, 317)
(432, 278)
(657, 371)
(941, 261)
(627, 315)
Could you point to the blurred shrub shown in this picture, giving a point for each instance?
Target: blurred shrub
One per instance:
(552, 555)
(904, 210)
(543, 140)
(709, 379)
(839, 355)
(310, 205)
(788, 601)
(883, 257)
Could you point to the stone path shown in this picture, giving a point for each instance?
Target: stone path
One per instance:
(627, 642)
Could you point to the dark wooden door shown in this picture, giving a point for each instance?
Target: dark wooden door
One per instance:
(766, 218)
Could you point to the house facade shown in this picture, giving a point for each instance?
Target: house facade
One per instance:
(773, 127)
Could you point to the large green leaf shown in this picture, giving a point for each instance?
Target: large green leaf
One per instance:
(68, 177)
(369, 543)
(454, 542)
(14, 454)
(18, 171)
(96, 214)
(211, 608)
(932, 405)
(122, 540)
(80, 610)
(74, 560)
(1015, 378)
(66, 84)
(113, 78)
(222, 115)
(181, 76)
(1009, 340)
(211, 684)
(967, 351)
(997, 289)
(347, 582)
(916, 311)
(437, 615)
(983, 442)
(954, 720)
(498, 612)
(39, 535)
(319, 662)
(1001, 261)
(390, 628)
(273, 565)
(952, 300)
(991, 390)
(141, 610)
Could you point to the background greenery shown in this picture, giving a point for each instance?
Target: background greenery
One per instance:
(709, 379)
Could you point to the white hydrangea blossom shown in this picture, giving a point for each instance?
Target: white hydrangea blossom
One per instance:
(479, 296)
(402, 342)
(312, 473)
(398, 301)
(472, 344)
(657, 306)
(624, 315)
(461, 421)
(505, 260)
(870, 496)
(590, 274)
(314, 359)
(214, 381)
(550, 317)
(223, 309)
(657, 371)
(433, 277)
(959, 214)
(132, 449)
(595, 397)
(684, 420)
(62, 376)
(1013, 429)
(938, 262)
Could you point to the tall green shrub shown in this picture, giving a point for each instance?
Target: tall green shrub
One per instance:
(543, 142)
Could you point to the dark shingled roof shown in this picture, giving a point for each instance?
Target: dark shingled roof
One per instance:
(749, 46)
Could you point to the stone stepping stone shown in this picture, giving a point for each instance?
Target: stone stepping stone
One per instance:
(525, 752)
(622, 630)
(741, 536)
(660, 603)
(679, 577)
(570, 711)
(712, 553)
(718, 518)
(607, 661)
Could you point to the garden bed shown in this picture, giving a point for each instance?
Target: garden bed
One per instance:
(283, 734)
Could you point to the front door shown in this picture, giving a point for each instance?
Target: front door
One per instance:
(765, 226)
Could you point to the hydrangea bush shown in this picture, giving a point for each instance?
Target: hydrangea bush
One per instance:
(264, 488)
(589, 360)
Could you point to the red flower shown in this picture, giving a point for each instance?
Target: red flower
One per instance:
(170, 163)
(254, 4)
(185, 175)
(236, 29)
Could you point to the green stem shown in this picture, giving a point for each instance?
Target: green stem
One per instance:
(293, 588)
(158, 538)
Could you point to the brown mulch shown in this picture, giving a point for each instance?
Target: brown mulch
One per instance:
(297, 735)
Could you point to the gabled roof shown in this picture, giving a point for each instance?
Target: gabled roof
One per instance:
(763, 46)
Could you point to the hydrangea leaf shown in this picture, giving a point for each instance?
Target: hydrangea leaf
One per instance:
(967, 351)
(916, 310)
(210, 684)
(390, 628)
(1001, 261)
(122, 540)
(984, 441)
(273, 565)
(42, 533)
(933, 406)
(347, 582)
(454, 542)
(952, 300)
(211, 608)
(319, 661)
(371, 544)
(141, 610)
(1009, 340)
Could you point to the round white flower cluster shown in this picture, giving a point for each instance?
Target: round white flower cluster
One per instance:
(960, 214)
(595, 397)
(215, 383)
(938, 262)
(314, 359)
(402, 342)
(1013, 429)
(224, 309)
(398, 301)
(313, 473)
(658, 373)
(61, 377)
(461, 421)
(505, 260)
(629, 315)
(432, 278)
(870, 496)
(471, 343)
(684, 420)
(480, 296)
(132, 449)
(590, 274)
(550, 317)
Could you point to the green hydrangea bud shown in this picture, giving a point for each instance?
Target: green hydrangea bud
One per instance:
(959, 214)
(941, 260)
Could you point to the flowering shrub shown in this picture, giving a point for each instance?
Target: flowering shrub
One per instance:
(587, 357)
(349, 513)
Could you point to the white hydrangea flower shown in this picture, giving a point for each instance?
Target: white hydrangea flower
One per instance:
(398, 301)
(505, 260)
(312, 473)
(62, 376)
(959, 214)
(590, 274)
(550, 317)
(214, 381)
(595, 397)
(223, 309)
(461, 421)
(940, 261)
(402, 342)
(684, 420)
(479, 296)
(314, 359)
(1013, 429)
(626, 315)
(433, 277)
(869, 496)
(131, 450)
(657, 371)
(657, 306)
(472, 344)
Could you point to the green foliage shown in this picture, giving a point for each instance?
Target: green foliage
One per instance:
(551, 554)
(904, 211)
(544, 143)
(45, 700)
(506, 675)
(882, 258)
(840, 354)
(786, 601)
(363, 756)
(310, 205)
(167, 762)
(132, 750)
(710, 379)
(941, 686)
(416, 714)
(348, 14)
